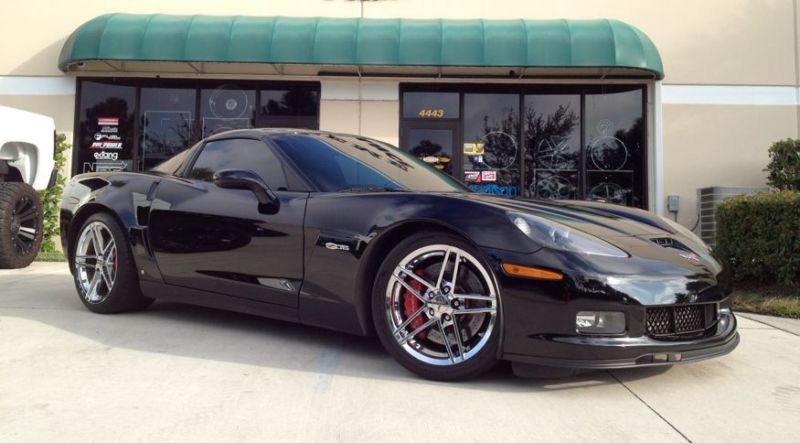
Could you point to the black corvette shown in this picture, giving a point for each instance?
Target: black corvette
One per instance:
(348, 233)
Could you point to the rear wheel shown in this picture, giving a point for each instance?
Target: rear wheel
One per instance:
(20, 225)
(436, 307)
(103, 268)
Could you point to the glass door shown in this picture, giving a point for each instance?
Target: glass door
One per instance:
(430, 129)
(434, 143)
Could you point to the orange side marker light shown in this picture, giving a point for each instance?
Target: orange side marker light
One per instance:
(531, 272)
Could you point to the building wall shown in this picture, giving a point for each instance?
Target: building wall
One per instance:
(731, 66)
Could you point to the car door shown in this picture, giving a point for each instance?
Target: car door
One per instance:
(220, 240)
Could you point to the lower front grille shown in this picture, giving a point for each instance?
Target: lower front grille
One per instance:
(680, 320)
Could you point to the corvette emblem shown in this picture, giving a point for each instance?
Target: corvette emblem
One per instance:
(691, 257)
(337, 247)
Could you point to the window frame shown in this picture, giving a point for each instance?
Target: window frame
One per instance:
(289, 171)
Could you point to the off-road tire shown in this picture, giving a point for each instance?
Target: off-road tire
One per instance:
(14, 253)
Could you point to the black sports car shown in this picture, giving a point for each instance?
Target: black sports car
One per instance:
(348, 233)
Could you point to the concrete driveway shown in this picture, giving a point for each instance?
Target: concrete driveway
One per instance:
(183, 373)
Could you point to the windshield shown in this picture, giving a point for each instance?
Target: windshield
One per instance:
(172, 165)
(335, 162)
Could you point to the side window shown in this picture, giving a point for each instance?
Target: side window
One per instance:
(252, 155)
(329, 169)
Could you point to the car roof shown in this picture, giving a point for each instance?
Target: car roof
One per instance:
(258, 133)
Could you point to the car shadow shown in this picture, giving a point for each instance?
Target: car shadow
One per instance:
(215, 335)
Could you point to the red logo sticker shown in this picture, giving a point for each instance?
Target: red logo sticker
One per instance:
(489, 176)
(108, 121)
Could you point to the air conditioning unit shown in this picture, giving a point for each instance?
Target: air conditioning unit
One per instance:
(708, 200)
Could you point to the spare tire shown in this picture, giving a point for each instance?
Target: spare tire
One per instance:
(20, 225)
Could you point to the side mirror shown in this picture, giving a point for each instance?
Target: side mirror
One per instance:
(242, 179)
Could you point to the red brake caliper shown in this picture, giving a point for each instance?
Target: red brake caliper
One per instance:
(411, 304)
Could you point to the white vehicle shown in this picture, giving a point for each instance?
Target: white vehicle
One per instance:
(27, 150)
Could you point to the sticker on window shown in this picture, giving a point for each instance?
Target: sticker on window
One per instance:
(108, 121)
(474, 148)
(472, 176)
(488, 176)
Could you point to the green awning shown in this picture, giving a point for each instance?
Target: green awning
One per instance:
(362, 42)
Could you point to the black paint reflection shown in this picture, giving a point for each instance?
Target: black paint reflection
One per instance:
(205, 234)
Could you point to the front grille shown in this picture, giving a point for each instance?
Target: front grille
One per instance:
(680, 320)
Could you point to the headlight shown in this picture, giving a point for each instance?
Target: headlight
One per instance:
(686, 232)
(557, 236)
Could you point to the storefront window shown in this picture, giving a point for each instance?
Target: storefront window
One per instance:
(104, 140)
(227, 107)
(175, 113)
(491, 143)
(298, 101)
(553, 146)
(289, 107)
(614, 145)
(566, 142)
(168, 123)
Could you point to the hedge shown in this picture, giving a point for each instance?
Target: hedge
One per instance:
(758, 237)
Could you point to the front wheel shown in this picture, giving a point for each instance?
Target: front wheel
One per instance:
(103, 267)
(20, 225)
(436, 307)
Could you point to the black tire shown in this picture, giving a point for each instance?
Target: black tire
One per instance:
(20, 212)
(125, 294)
(473, 366)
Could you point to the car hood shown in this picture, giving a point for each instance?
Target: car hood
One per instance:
(635, 231)
(600, 219)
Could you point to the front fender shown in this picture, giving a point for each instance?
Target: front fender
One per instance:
(123, 195)
(347, 235)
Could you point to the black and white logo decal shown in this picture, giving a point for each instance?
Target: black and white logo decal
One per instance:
(336, 247)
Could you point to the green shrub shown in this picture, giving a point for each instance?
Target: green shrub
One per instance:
(784, 165)
(51, 198)
(758, 237)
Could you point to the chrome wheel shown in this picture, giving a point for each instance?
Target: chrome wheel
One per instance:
(96, 262)
(441, 305)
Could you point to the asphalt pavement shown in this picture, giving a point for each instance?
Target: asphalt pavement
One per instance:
(182, 373)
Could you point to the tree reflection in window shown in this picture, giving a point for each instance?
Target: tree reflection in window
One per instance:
(552, 141)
